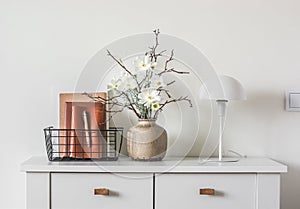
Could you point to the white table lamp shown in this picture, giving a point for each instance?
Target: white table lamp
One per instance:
(222, 90)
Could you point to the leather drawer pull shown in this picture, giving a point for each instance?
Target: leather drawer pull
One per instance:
(207, 191)
(101, 191)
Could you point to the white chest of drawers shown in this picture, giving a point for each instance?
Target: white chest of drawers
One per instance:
(251, 183)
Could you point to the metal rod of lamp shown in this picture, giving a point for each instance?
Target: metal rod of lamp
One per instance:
(222, 104)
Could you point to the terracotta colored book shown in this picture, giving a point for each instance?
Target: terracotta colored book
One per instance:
(86, 116)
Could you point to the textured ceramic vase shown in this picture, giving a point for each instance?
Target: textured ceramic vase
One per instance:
(147, 141)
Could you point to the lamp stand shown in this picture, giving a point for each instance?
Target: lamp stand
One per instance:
(222, 90)
(222, 105)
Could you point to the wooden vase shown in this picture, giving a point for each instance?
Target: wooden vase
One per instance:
(147, 141)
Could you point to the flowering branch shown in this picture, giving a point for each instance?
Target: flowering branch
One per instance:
(142, 89)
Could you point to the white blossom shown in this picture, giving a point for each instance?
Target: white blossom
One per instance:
(155, 106)
(114, 84)
(157, 82)
(148, 96)
(143, 63)
(153, 66)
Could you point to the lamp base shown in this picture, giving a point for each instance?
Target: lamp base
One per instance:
(216, 160)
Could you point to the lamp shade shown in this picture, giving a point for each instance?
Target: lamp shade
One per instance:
(222, 88)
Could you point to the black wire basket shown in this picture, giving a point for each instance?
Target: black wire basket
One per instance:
(83, 144)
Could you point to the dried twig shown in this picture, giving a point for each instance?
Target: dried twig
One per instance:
(120, 63)
(167, 69)
(172, 101)
(166, 92)
(168, 84)
(113, 102)
(110, 101)
(152, 53)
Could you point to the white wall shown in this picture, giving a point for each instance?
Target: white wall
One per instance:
(45, 44)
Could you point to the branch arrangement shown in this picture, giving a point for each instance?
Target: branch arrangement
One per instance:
(142, 89)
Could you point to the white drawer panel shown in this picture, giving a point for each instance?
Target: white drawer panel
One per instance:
(232, 191)
(76, 191)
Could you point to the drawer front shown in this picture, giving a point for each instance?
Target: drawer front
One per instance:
(77, 191)
(231, 191)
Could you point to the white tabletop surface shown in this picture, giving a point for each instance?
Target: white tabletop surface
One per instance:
(167, 165)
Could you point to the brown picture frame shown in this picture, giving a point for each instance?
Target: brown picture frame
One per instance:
(71, 147)
(73, 97)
